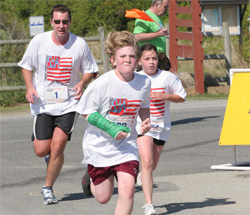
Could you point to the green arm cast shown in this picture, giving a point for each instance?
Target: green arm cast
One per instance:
(101, 122)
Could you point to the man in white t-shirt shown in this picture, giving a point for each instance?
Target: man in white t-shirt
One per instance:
(51, 67)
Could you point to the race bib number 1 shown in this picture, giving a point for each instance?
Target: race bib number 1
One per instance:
(56, 94)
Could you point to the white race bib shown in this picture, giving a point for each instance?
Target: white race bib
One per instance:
(56, 94)
(157, 124)
(121, 120)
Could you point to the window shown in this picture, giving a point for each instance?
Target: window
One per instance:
(214, 16)
(211, 19)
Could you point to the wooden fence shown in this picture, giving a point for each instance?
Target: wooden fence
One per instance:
(100, 38)
(104, 60)
(194, 51)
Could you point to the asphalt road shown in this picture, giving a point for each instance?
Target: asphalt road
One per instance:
(187, 157)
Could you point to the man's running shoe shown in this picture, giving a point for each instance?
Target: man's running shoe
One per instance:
(86, 184)
(149, 209)
(48, 196)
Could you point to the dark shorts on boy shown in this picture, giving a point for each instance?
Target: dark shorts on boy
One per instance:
(156, 142)
(100, 174)
(44, 125)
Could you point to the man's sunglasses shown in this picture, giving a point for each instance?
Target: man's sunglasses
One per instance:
(63, 21)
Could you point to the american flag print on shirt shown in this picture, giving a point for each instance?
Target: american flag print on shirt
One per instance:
(59, 68)
(157, 107)
(124, 107)
(123, 111)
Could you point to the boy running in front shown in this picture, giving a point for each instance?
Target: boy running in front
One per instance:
(111, 105)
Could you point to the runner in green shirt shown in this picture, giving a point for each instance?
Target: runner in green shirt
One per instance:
(149, 32)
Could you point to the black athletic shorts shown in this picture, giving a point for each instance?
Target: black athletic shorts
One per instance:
(45, 124)
(156, 142)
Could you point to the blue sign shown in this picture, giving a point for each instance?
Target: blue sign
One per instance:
(36, 25)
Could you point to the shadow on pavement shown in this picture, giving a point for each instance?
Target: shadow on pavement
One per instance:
(74, 196)
(190, 120)
(78, 196)
(177, 207)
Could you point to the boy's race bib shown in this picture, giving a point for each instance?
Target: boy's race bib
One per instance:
(121, 120)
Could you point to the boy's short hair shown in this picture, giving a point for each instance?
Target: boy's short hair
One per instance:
(60, 8)
(120, 39)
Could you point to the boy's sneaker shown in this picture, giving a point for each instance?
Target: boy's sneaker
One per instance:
(138, 180)
(86, 184)
(149, 209)
(46, 158)
(48, 196)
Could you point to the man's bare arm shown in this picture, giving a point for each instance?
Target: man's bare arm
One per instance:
(30, 91)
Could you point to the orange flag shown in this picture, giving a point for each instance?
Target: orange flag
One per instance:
(137, 14)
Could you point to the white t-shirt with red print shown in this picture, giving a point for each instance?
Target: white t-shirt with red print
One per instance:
(165, 82)
(56, 70)
(119, 102)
